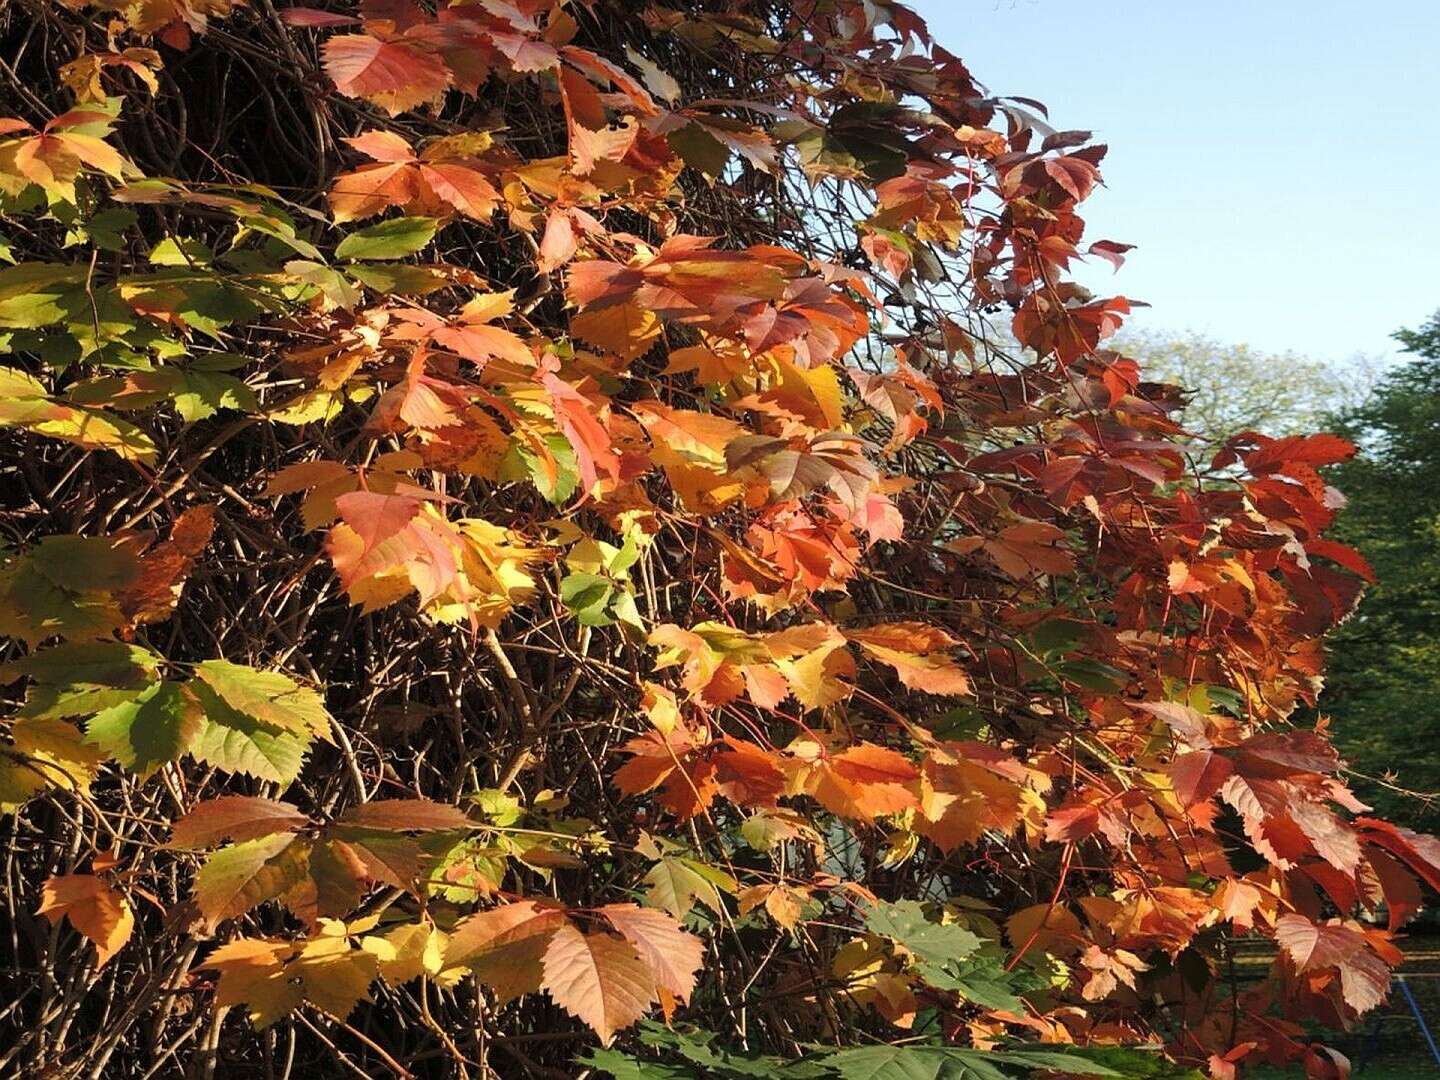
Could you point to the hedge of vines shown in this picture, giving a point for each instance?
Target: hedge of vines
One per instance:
(548, 538)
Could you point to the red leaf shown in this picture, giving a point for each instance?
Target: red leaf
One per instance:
(1072, 823)
(1364, 977)
(396, 75)
(234, 817)
(311, 17)
(405, 815)
(1198, 776)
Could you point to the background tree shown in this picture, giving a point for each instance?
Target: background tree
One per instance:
(1231, 388)
(1383, 683)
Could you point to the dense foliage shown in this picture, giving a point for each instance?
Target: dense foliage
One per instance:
(517, 522)
(1383, 677)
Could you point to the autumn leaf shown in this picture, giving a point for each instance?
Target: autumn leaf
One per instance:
(598, 978)
(252, 974)
(92, 907)
(1364, 977)
(234, 817)
(505, 946)
(626, 330)
(673, 956)
(272, 978)
(407, 951)
(43, 753)
(405, 815)
(236, 878)
(1198, 775)
(396, 75)
(917, 653)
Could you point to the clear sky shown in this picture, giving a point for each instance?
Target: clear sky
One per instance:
(1277, 162)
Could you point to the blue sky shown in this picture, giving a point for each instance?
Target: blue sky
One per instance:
(1277, 162)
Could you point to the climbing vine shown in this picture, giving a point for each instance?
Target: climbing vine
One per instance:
(547, 536)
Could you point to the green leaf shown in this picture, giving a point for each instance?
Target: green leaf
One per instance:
(1091, 674)
(984, 981)
(33, 608)
(914, 1063)
(588, 596)
(1132, 1062)
(400, 278)
(521, 462)
(699, 149)
(180, 251)
(267, 697)
(158, 726)
(278, 227)
(81, 678)
(235, 742)
(33, 295)
(86, 563)
(930, 942)
(107, 663)
(675, 884)
(960, 1063)
(624, 1067)
(104, 229)
(335, 286)
(201, 394)
(700, 1047)
(393, 239)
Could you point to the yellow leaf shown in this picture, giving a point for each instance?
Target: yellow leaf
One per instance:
(407, 951)
(627, 330)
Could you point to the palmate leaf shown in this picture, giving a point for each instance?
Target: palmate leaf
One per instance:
(676, 884)
(959, 1063)
(81, 678)
(982, 979)
(272, 977)
(811, 599)
(505, 946)
(236, 878)
(232, 741)
(267, 697)
(393, 239)
(673, 956)
(234, 817)
(44, 753)
(697, 1053)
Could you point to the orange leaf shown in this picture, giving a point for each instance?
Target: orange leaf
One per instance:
(599, 979)
(673, 956)
(92, 907)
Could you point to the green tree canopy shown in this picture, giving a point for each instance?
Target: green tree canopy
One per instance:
(1383, 687)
